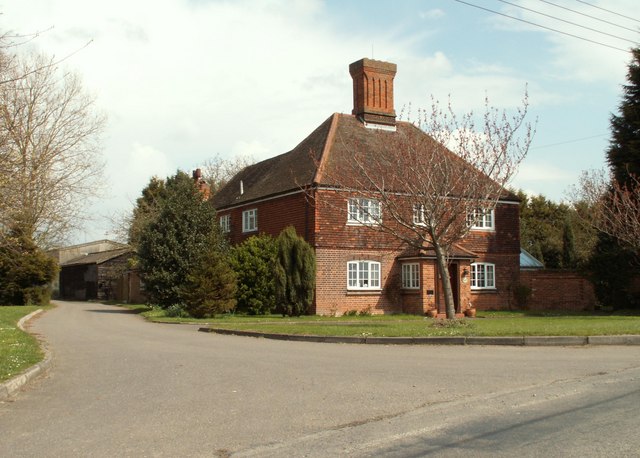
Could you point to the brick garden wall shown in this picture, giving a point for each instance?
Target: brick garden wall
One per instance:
(558, 290)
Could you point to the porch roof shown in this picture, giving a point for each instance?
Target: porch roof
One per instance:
(457, 253)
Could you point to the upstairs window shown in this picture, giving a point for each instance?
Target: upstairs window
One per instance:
(363, 211)
(481, 219)
(411, 276)
(225, 223)
(418, 215)
(250, 220)
(363, 275)
(483, 275)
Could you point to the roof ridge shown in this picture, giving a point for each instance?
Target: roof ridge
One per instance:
(329, 140)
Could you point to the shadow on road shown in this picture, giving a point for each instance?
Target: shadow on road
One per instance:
(121, 311)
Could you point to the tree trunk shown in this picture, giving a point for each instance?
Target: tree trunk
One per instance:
(441, 260)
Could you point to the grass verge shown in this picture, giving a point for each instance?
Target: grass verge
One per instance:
(490, 324)
(18, 350)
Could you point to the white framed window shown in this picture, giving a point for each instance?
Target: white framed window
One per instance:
(483, 275)
(481, 219)
(250, 220)
(411, 276)
(363, 211)
(363, 275)
(418, 215)
(225, 223)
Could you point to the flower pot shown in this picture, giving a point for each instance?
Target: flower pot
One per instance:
(432, 313)
(470, 313)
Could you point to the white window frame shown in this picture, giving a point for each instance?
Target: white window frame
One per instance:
(225, 223)
(411, 276)
(418, 215)
(250, 220)
(363, 275)
(483, 276)
(363, 211)
(483, 220)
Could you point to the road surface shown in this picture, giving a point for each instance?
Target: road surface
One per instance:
(120, 386)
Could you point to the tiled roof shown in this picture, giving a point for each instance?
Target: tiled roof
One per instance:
(97, 258)
(284, 173)
(320, 159)
(455, 252)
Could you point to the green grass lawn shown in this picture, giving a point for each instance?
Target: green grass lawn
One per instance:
(18, 350)
(486, 324)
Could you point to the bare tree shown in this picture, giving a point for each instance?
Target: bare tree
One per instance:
(613, 208)
(49, 150)
(217, 171)
(435, 177)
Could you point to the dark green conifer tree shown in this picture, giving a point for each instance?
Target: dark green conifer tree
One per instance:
(295, 273)
(613, 265)
(171, 244)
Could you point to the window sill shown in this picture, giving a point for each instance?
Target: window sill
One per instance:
(364, 292)
(358, 223)
(484, 291)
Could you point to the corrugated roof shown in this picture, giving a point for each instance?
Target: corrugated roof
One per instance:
(97, 258)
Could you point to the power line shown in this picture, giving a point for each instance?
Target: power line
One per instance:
(589, 16)
(608, 11)
(543, 26)
(567, 22)
(569, 141)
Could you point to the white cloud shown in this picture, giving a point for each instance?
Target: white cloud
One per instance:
(184, 80)
(432, 14)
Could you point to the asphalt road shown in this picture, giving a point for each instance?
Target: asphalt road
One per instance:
(120, 386)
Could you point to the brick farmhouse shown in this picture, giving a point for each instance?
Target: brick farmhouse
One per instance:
(359, 268)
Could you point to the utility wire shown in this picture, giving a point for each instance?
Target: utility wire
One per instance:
(543, 26)
(589, 16)
(567, 22)
(608, 11)
(568, 141)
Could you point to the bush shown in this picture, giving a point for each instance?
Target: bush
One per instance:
(254, 261)
(25, 271)
(295, 273)
(522, 294)
(211, 287)
(176, 311)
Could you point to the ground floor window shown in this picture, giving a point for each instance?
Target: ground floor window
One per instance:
(363, 275)
(411, 276)
(483, 275)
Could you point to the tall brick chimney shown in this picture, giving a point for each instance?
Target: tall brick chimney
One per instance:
(373, 91)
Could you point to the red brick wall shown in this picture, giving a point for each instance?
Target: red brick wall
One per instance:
(332, 229)
(558, 290)
(274, 215)
(323, 223)
(332, 296)
(507, 275)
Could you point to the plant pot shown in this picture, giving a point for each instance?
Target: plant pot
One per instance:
(470, 313)
(432, 313)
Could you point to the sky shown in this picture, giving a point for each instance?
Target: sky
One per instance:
(183, 81)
